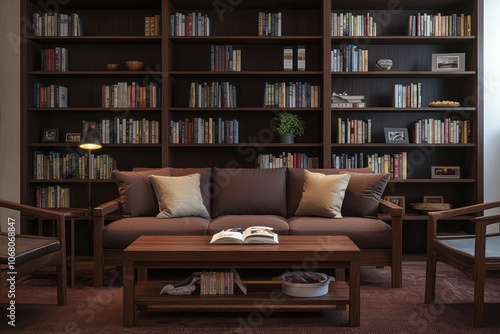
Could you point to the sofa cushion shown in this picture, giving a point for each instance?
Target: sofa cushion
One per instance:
(363, 194)
(323, 195)
(295, 186)
(278, 223)
(121, 233)
(179, 196)
(137, 195)
(205, 182)
(241, 191)
(366, 233)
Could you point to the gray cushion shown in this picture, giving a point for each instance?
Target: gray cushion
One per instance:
(466, 246)
(205, 182)
(121, 233)
(366, 233)
(242, 191)
(28, 247)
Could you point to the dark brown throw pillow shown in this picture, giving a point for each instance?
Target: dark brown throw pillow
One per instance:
(137, 195)
(363, 194)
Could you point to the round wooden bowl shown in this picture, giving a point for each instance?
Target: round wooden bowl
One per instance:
(134, 65)
(112, 67)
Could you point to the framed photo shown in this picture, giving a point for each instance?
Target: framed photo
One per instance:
(448, 61)
(433, 199)
(73, 137)
(50, 135)
(445, 172)
(398, 200)
(396, 135)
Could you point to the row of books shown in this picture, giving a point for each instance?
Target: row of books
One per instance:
(152, 25)
(350, 58)
(269, 24)
(122, 130)
(354, 131)
(349, 24)
(292, 160)
(204, 131)
(131, 95)
(407, 96)
(52, 197)
(288, 58)
(54, 60)
(49, 96)
(394, 164)
(56, 24)
(224, 58)
(192, 24)
(291, 95)
(220, 282)
(212, 95)
(424, 24)
(56, 166)
(436, 131)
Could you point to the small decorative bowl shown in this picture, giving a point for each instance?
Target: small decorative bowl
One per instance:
(134, 65)
(112, 67)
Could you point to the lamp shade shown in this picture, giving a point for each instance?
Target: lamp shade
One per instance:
(90, 140)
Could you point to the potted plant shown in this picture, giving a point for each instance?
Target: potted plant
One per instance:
(288, 126)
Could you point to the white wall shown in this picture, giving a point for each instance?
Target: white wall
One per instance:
(9, 107)
(491, 101)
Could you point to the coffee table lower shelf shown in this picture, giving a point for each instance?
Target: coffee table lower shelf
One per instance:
(147, 293)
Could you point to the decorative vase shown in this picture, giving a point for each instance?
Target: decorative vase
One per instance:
(287, 138)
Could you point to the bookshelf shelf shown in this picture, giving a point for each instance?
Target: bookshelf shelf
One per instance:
(174, 62)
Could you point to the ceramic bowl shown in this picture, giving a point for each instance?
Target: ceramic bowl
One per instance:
(112, 67)
(134, 65)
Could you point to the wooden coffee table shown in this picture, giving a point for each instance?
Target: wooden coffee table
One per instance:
(293, 252)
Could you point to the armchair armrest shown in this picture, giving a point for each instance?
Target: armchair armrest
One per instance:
(470, 209)
(33, 211)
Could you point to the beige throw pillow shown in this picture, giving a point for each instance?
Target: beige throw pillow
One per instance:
(179, 196)
(323, 195)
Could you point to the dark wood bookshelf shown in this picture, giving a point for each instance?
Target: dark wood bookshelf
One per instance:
(113, 32)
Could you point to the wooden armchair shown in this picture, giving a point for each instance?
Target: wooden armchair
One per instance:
(33, 253)
(473, 255)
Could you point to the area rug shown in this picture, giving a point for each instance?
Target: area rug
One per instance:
(383, 309)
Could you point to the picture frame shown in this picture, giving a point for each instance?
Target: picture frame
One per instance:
(50, 135)
(73, 137)
(448, 62)
(396, 136)
(398, 200)
(433, 199)
(445, 172)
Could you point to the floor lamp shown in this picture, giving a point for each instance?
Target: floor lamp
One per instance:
(90, 141)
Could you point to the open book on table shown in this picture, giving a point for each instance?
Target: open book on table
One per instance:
(251, 235)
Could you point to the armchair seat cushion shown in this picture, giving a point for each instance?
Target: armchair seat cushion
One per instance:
(28, 247)
(366, 233)
(121, 233)
(465, 247)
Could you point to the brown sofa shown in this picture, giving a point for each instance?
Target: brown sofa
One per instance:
(246, 197)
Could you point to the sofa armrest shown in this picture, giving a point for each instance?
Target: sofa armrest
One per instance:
(390, 208)
(100, 213)
(396, 214)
